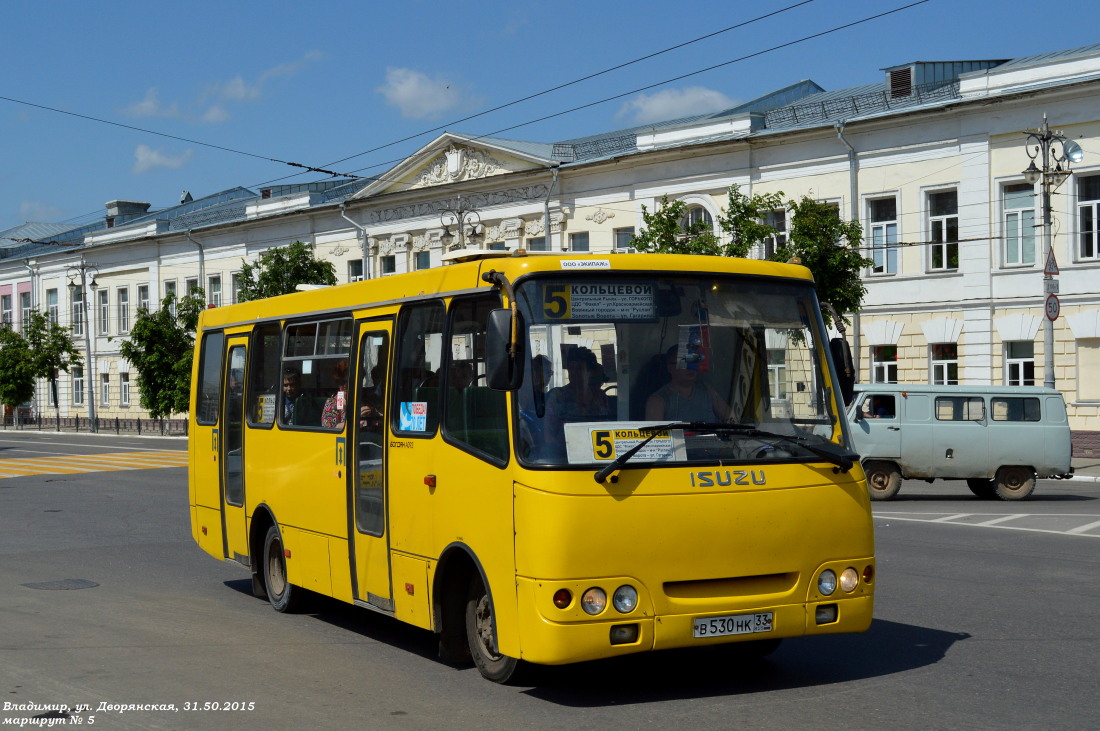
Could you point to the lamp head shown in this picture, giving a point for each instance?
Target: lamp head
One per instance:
(1072, 151)
(1032, 173)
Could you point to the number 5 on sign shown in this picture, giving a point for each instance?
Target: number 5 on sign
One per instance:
(555, 301)
(603, 446)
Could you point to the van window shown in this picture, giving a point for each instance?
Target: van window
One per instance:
(1014, 409)
(960, 408)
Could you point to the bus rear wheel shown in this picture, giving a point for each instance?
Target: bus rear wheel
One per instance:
(1014, 483)
(481, 636)
(883, 480)
(283, 595)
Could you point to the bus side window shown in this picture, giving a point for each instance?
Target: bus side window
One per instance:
(209, 393)
(475, 414)
(263, 376)
(416, 392)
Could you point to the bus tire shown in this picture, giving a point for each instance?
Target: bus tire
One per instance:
(283, 595)
(982, 487)
(1014, 483)
(883, 480)
(481, 636)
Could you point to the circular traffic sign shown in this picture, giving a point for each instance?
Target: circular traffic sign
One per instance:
(1053, 307)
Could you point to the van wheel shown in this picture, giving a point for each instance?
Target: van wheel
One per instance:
(1014, 483)
(982, 487)
(283, 595)
(883, 479)
(481, 636)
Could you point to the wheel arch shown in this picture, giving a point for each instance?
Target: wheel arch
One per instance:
(262, 520)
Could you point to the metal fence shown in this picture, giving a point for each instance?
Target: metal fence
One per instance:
(106, 425)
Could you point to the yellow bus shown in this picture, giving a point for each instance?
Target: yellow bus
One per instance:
(543, 459)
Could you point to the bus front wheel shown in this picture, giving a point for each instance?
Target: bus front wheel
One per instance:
(883, 479)
(481, 636)
(283, 595)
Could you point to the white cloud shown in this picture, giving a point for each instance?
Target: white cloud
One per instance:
(238, 90)
(674, 103)
(418, 96)
(150, 106)
(36, 211)
(146, 159)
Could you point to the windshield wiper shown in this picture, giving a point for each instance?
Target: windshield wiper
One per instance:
(827, 450)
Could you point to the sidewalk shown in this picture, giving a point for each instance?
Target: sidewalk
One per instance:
(1086, 469)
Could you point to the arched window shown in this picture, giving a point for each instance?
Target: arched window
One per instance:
(697, 220)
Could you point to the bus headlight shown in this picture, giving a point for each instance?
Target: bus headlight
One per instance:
(849, 579)
(826, 582)
(594, 600)
(625, 599)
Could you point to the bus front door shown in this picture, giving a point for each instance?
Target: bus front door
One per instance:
(367, 481)
(232, 452)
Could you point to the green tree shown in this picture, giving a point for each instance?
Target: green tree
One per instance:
(743, 219)
(666, 232)
(829, 247)
(281, 270)
(52, 350)
(161, 347)
(16, 374)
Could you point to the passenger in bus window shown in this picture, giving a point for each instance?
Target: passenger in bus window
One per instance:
(686, 397)
(298, 409)
(370, 409)
(533, 406)
(332, 416)
(581, 398)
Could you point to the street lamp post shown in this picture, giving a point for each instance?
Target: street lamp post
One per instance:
(74, 272)
(461, 217)
(1055, 153)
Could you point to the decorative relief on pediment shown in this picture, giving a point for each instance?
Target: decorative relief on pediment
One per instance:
(422, 242)
(600, 215)
(533, 228)
(457, 163)
(339, 250)
(385, 247)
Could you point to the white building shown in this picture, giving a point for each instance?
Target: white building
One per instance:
(929, 159)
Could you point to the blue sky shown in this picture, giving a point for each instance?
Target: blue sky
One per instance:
(317, 83)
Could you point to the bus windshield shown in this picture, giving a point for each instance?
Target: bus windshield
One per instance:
(730, 367)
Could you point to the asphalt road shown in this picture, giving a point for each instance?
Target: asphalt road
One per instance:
(980, 623)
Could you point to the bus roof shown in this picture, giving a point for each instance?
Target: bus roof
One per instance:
(465, 276)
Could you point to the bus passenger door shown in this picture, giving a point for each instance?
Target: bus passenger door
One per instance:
(232, 452)
(367, 482)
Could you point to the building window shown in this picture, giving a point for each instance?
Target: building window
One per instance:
(884, 364)
(78, 385)
(170, 289)
(123, 389)
(104, 308)
(104, 389)
(24, 308)
(143, 297)
(537, 244)
(422, 260)
(122, 299)
(355, 270)
(235, 288)
(945, 364)
(623, 237)
(214, 291)
(777, 372)
(5, 310)
(1088, 361)
(883, 213)
(1020, 363)
(1088, 216)
(190, 285)
(51, 305)
(498, 246)
(1019, 224)
(578, 241)
(778, 221)
(78, 312)
(943, 227)
(697, 220)
(389, 264)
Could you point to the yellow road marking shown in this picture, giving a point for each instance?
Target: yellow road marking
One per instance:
(81, 463)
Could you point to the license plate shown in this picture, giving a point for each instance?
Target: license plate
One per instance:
(733, 624)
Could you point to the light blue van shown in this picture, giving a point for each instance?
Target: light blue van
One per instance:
(1000, 439)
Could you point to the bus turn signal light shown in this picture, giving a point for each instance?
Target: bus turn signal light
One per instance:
(563, 598)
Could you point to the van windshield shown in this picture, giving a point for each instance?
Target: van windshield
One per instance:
(608, 357)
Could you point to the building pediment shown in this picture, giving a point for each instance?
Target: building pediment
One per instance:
(454, 159)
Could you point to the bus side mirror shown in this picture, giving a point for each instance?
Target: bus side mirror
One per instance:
(503, 358)
(845, 367)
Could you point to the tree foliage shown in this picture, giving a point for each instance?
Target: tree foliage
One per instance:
(824, 243)
(16, 374)
(281, 270)
(160, 347)
(52, 348)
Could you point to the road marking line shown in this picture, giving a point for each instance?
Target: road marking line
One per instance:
(949, 518)
(1002, 519)
(73, 464)
(1069, 532)
(1083, 528)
